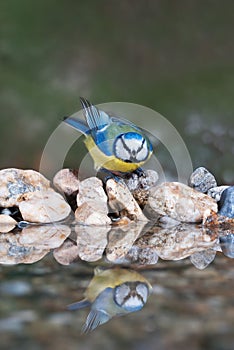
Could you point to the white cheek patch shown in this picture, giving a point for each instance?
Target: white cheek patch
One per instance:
(133, 302)
(142, 154)
(133, 144)
(120, 151)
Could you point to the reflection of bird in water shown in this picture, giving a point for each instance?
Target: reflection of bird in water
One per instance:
(113, 292)
(115, 144)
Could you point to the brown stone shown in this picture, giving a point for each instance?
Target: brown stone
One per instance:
(121, 200)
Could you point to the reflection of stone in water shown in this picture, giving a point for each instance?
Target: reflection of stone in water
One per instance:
(31, 244)
(7, 223)
(120, 240)
(141, 255)
(67, 253)
(91, 241)
(47, 236)
(181, 241)
(12, 252)
(202, 259)
(227, 245)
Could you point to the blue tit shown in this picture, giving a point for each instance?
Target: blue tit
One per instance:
(115, 144)
(113, 292)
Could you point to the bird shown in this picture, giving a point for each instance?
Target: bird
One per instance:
(112, 292)
(116, 145)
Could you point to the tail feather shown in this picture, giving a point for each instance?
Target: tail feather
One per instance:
(77, 124)
(95, 118)
(78, 305)
(95, 318)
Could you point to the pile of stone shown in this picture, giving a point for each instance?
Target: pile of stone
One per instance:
(27, 196)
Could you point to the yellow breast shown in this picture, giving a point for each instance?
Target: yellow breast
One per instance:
(111, 163)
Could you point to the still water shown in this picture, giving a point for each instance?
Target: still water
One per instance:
(152, 287)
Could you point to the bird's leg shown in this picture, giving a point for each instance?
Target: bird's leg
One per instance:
(105, 174)
(139, 172)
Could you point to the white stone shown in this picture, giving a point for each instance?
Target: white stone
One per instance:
(180, 202)
(91, 213)
(16, 182)
(44, 206)
(7, 223)
(91, 191)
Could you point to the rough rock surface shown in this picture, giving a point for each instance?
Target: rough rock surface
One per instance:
(16, 182)
(148, 179)
(216, 192)
(92, 213)
(226, 203)
(91, 190)
(7, 223)
(202, 180)
(180, 202)
(66, 181)
(122, 201)
(92, 203)
(43, 206)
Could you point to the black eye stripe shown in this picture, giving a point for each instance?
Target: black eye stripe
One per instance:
(124, 144)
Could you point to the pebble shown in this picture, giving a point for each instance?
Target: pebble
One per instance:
(139, 185)
(148, 179)
(7, 223)
(122, 201)
(216, 192)
(91, 191)
(16, 182)
(92, 203)
(226, 203)
(202, 180)
(44, 206)
(227, 245)
(66, 181)
(91, 213)
(180, 202)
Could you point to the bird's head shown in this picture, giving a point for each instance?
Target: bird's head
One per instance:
(132, 147)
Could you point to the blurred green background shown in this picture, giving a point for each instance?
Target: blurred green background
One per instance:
(176, 57)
